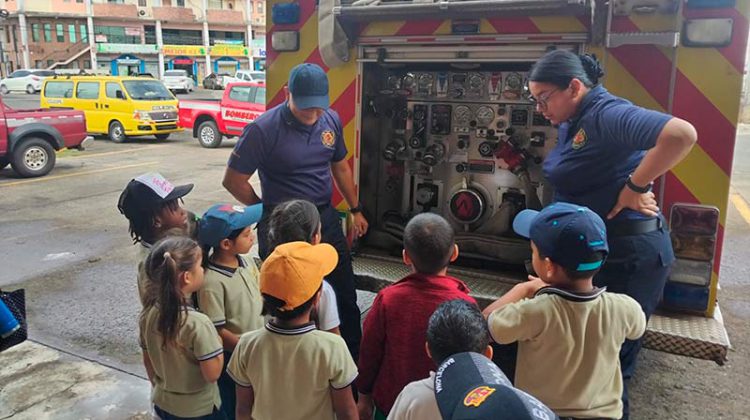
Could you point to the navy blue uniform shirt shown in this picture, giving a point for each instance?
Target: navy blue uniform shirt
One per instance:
(597, 150)
(293, 160)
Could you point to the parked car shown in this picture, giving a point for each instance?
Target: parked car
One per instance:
(216, 81)
(120, 107)
(248, 76)
(178, 80)
(29, 138)
(212, 120)
(149, 75)
(29, 81)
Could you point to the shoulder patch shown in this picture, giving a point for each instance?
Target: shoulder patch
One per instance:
(328, 138)
(580, 139)
(476, 396)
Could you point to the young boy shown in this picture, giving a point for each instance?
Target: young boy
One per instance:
(152, 206)
(289, 369)
(569, 331)
(230, 295)
(392, 351)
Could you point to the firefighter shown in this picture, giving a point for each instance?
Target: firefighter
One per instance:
(296, 147)
(608, 154)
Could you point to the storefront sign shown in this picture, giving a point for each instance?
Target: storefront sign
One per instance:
(127, 48)
(132, 31)
(259, 47)
(100, 38)
(183, 50)
(228, 50)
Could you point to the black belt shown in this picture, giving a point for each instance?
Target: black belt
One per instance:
(633, 227)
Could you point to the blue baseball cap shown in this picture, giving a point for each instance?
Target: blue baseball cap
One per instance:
(308, 84)
(569, 234)
(221, 220)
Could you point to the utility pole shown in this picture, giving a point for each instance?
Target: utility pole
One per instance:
(91, 37)
(249, 16)
(3, 16)
(24, 34)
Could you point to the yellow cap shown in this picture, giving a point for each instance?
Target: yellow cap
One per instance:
(294, 271)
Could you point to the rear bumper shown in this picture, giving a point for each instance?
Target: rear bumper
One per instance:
(85, 143)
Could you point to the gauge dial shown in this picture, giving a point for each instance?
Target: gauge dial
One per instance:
(425, 82)
(485, 115)
(394, 82)
(407, 82)
(462, 115)
(514, 82)
(476, 81)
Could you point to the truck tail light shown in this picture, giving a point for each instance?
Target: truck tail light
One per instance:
(694, 229)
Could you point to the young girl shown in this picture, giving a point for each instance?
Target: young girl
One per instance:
(299, 220)
(153, 208)
(230, 296)
(182, 352)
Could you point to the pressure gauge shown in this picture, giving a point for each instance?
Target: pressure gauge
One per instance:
(485, 116)
(462, 116)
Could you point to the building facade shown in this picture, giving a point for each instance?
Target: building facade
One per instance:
(122, 37)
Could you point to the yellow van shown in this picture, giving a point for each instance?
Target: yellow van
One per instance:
(117, 106)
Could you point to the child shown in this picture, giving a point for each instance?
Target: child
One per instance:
(230, 295)
(291, 370)
(299, 220)
(569, 331)
(181, 349)
(457, 336)
(152, 206)
(392, 351)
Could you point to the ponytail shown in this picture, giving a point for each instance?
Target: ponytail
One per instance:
(559, 67)
(168, 259)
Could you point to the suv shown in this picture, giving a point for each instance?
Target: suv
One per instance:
(29, 81)
(29, 139)
(248, 76)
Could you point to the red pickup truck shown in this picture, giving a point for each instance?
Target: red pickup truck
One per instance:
(29, 138)
(210, 120)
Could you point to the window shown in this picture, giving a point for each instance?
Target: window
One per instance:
(47, 32)
(260, 95)
(79, 1)
(112, 89)
(180, 3)
(35, 32)
(241, 93)
(86, 64)
(116, 35)
(50, 63)
(58, 90)
(20, 73)
(214, 4)
(260, 7)
(72, 33)
(87, 90)
(84, 34)
(38, 64)
(142, 3)
(60, 28)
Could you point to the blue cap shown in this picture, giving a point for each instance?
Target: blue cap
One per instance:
(569, 234)
(308, 84)
(221, 220)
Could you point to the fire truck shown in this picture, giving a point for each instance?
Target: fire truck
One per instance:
(436, 118)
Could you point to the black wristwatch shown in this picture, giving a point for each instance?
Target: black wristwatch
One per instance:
(638, 188)
(356, 209)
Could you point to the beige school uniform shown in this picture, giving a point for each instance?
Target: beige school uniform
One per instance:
(142, 251)
(416, 401)
(179, 386)
(569, 346)
(231, 297)
(292, 371)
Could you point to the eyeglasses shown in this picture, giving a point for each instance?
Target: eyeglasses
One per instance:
(541, 100)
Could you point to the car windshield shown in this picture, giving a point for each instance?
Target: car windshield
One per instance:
(147, 90)
(175, 73)
(258, 75)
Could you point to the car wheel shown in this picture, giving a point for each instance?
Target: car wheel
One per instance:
(162, 137)
(33, 157)
(209, 135)
(117, 132)
(30, 90)
(4, 90)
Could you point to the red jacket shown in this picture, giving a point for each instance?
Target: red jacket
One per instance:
(392, 353)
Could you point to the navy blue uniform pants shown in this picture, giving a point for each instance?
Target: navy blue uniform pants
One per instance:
(216, 415)
(638, 266)
(342, 277)
(227, 390)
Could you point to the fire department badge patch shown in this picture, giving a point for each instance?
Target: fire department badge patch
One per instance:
(328, 139)
(579, 140)
(476, 396)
